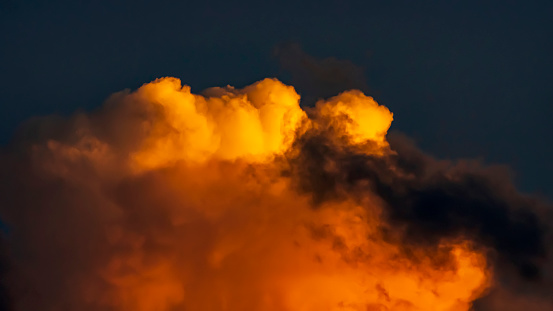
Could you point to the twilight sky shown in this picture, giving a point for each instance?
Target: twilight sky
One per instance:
(463, 78)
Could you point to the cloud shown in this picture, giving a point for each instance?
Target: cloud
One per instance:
(318, 78)
(238, 199)
(428, 199)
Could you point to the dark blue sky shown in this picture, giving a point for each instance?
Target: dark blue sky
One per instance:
(463, 78)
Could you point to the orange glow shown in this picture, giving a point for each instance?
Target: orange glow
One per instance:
(225, 230)
(367, 119)
(256, 122)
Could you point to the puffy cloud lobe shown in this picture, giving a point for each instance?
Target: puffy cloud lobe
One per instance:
(256, 122)
(238, 199)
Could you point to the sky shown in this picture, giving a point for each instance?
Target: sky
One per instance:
(463, 78)
(105, 202)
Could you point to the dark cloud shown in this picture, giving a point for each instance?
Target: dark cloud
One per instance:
(5, 296)
(316, 78)
(429, 200)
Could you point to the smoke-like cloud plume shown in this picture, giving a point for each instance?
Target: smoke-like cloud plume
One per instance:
(318, 78)
(239, 199)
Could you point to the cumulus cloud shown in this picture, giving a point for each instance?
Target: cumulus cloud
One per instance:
(238, 199)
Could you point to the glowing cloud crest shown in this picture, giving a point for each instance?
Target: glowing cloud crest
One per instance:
(165, 200)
